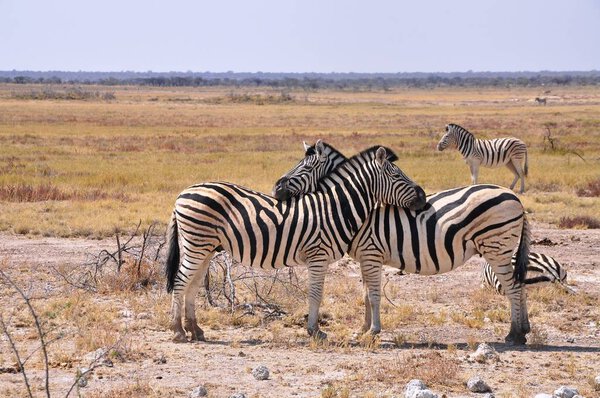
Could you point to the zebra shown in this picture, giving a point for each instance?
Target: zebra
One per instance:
(453, 226)
(259, 230)
(490, 153)
(546, 269)
(540, 101)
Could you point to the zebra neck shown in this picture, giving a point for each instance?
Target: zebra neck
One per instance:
(467, 144)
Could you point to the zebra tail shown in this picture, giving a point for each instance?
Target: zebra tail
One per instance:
(172, 263)
(526, 168)
(522, 260)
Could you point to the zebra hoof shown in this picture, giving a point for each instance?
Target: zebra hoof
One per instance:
(317, 334)
(198, 335)
(515, 339)
(179, 338)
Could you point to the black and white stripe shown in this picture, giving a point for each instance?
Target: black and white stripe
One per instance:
(453, 226)
(259, 230)
(510, 152)
(540, 268)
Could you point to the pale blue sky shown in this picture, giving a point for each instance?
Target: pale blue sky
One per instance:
(300, 36)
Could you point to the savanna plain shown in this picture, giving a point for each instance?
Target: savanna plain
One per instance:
(88, 178)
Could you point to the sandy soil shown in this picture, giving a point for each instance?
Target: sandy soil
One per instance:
(569, 353)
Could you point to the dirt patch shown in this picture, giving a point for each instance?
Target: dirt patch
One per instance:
(430, 324)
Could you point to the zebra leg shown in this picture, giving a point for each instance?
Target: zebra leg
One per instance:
(474, 167)
(515, 168)
(371, 273)
(515, 292)
(191, 324)
(316, 280)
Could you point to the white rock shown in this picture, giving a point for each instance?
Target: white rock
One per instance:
(424, 394)
(238, 395)
(489, 395)
(566, 392)
(261, 372)
(198, 392)
(476, 384)
(597, 383)
(484, 353)
(412, 387)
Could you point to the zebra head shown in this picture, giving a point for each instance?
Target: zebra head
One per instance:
(449, 139)
(319, 160)
(391, 186)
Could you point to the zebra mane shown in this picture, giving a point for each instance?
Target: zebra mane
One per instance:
(359, 158)
(312, 150)
(459, 129)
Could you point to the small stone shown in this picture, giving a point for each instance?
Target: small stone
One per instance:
(160, 359)
(198, 392)
(126, 314)
(570, 340)
(489, 395)
(565, 392)
(143, 315)
(414, 386)
(424, 394)
(82, 374)
(238, 395)
(484, 353)
(543, 395)
(476, 384)
(597, 383)
(261, 372)
(241, 354)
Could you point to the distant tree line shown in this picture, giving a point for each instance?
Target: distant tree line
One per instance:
(307, 81)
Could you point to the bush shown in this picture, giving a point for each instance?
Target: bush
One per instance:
(579, 222)
(592, 190)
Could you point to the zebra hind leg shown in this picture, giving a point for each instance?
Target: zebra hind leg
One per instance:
(191, 324)
(517, 170)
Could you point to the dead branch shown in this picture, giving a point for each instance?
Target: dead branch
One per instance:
(39, 330)
(13, 346)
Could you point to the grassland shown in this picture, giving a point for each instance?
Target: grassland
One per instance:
(105, 163)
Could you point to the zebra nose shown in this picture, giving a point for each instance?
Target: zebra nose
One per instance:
(420, 200)
(280, 189)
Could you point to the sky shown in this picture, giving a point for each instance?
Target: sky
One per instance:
(300, 35)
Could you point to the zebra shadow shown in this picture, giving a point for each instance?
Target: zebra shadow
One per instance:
(499, 347)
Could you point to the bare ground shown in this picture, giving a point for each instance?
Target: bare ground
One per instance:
(443, 319)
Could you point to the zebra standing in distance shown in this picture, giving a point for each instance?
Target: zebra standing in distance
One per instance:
(258, 230)
(453, 226)
(489, 153)
(540, 101)
(545, 268)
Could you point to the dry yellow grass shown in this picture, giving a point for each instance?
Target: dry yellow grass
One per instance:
(112, 163)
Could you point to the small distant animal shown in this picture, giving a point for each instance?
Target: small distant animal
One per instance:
(541, 101)
(490, 153)
(540, 268)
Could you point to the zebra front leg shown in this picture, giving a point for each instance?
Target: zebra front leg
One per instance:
(371, 273)
(316, 280)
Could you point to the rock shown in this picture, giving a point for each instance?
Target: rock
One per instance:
(484, 353)
(412, 387)
(98, 357)
(476, 384)
(82, 377)
(597, 383)
(198, 392)
(238, 395)
(261, 372)
(126, 314)
(424, 394)
(565, 392)
(543, 395)
(489, 395)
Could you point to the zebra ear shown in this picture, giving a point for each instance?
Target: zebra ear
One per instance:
(381, 156)
(320, 148)
(306, 146)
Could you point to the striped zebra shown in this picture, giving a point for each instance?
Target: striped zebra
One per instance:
(489, 153)
(545, 269)
(453, 226)
(258, 230)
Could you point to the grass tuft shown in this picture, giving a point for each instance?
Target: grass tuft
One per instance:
(579, 222)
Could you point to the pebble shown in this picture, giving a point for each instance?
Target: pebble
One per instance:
(565, 392)
(261, 372)
(198, 392)
(238, 395)
(484, 353)
(412, 387)
(476, 384)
